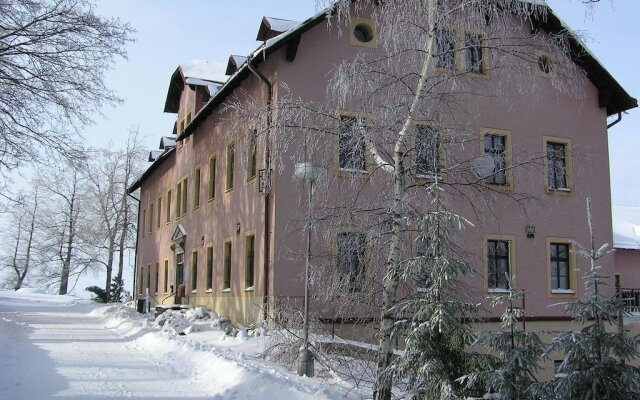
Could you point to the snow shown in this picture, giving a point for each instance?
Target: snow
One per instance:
(66, 347)
(281, 25)
(626, 227)
(203, 70)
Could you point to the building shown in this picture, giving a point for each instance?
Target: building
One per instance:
(626, 242)
(221, 218)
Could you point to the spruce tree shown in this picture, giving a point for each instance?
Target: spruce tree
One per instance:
(596, 358)
(515, 353)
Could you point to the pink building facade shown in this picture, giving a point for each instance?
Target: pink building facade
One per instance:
(222, 219)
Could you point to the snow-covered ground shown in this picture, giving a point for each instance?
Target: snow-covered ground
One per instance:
(63, 347)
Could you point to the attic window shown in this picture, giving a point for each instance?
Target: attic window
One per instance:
(363, 33)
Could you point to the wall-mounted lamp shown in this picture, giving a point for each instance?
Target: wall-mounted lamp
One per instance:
(202, 241)
(238, 228)
(531, 231)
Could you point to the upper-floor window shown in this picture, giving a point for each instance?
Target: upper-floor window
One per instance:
(168, 207)
(350, 268)
(557, 166)
(474, 61)
(194, 269)
(252, 153)
(159, 213)
(498, 264)
(209, 282)
(150, 220)
(196, 189)
(212, 178)
(428, 157)
(351, 144)
(230, 166)
(425, 257)
(226, 284)
(444, 49)
(181, 197)
(496, 146)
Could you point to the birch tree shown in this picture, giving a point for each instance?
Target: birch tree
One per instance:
(53, 57)
(402, 165)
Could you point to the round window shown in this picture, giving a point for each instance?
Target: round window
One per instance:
(544, 63)
(363, 33)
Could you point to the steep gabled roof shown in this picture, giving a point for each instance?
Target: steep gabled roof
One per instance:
(272, 27)
(234, 63)
(198, 73)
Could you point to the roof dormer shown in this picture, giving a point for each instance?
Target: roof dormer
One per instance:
(271, 27)
(234, 63)
(200, 76)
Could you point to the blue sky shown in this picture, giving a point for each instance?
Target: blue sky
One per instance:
(169, 33)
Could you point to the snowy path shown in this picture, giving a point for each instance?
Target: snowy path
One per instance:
(63, 351)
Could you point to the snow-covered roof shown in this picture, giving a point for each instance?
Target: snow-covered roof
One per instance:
(235, 61)
(626, 227)
(202, 71)
(154, 154)
(167, 142)
(271, 27)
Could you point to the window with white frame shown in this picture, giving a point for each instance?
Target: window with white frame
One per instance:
(557, 166)
(445, 46)
(495, 145)
(428, 160)
(473, 53)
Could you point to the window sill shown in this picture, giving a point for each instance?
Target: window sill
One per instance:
(562, 291)
(422, 290)
(498, 290)
(209, 291)
(194, 291)
(352, 171)
(558, 189)
(250, 289)
(211, 200)
(227, 290)
(251, 179)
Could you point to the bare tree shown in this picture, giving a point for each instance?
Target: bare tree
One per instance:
(24, 237)
(109, 174)
(53, 56)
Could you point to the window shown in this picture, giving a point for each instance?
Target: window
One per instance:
(545, 64)
(150, 220)
(184, 196)
(181, 198)
(362, 32)
(557, 166)
(179, 269)
(351, 144)
(474, 61)
(496, 146)
(147, 283)
(230, 161)
(159, 213)
(252, 154)
(561, 271)
(250, 258)
(196, 189)
(157, 275)
(168, 207)
(194, 269)
(350, 262)
(445, 56)
(498, 264)
(140, 279)
(428, 160)
(212, 178)
(209, 282)
(166, 276)
(227, 266)
(559, 266)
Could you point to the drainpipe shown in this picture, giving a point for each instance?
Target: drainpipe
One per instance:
(267, 195)
(616, 121)
(135, 257)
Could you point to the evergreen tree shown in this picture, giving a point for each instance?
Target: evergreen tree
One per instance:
(100, 294)
(515, 354)
(596, 358)
(116, 289)
(437, 336)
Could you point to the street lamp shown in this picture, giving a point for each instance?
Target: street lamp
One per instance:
(308, 172)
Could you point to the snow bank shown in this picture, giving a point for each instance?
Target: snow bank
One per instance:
(30, 295)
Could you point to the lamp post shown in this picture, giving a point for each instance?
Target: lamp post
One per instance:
(309, 173)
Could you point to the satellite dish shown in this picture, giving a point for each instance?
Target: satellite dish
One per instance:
(483, 166)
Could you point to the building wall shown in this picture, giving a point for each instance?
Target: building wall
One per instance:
(528, 117)
(627, 265)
